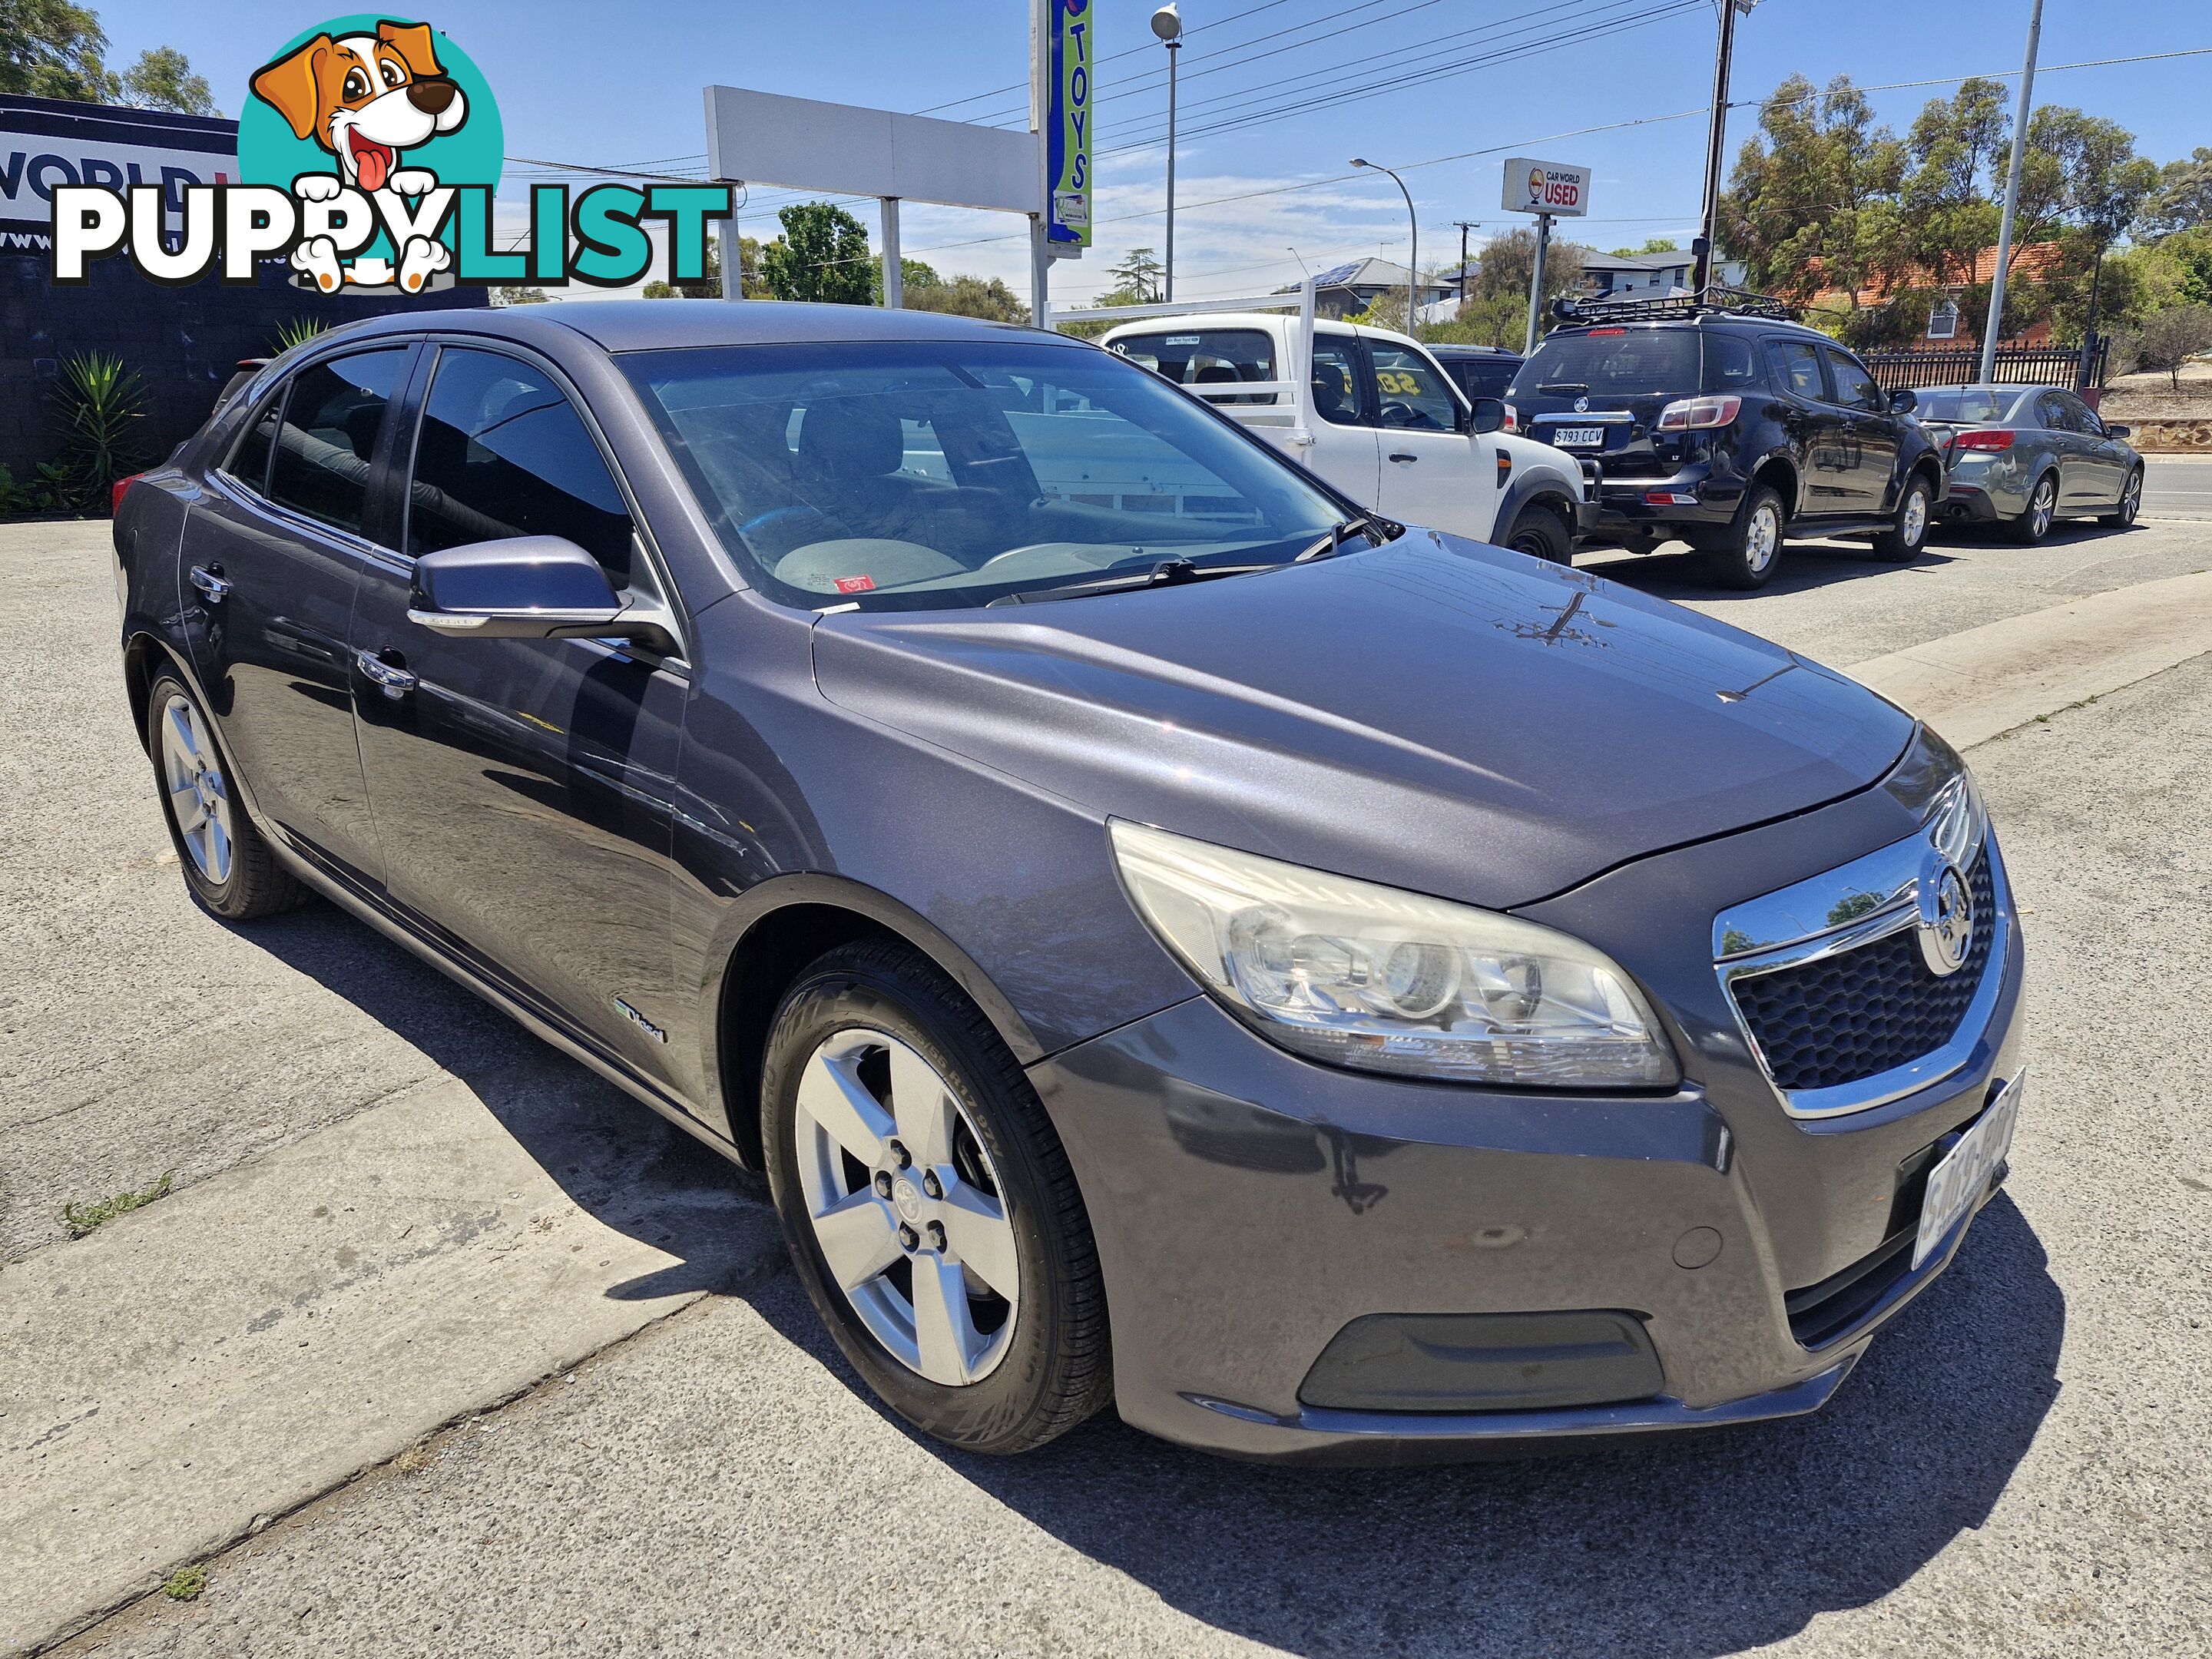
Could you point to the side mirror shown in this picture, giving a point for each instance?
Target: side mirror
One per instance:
(526, 588)
(1487, 415)
(1903, 401)
(2118, 431)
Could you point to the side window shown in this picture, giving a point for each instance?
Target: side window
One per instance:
(1854, 387)
(2086, 419)
(1211, 357)
(1410, 391)
(1731, 364)
(1336, 392)
(249, 462)
(328, 437)
(1796, 367)
(503, 453)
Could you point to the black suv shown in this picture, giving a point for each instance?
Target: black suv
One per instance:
(1729, 425)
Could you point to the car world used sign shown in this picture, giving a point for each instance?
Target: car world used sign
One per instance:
(1547, 187)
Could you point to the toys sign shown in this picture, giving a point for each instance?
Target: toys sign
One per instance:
(1547, 187)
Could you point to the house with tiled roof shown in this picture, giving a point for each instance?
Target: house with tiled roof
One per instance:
(1949, 323)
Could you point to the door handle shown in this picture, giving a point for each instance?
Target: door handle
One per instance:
(395, 681)
(210, 581)
(1402, 457)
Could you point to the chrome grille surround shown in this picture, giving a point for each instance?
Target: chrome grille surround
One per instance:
(1853, 905)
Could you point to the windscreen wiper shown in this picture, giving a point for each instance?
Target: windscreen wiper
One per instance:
(1169, 573)
(1366, 524)
(1560, 388)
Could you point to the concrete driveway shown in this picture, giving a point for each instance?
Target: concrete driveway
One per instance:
(2017, 1468)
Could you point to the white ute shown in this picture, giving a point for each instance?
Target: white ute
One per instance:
(1366, 410)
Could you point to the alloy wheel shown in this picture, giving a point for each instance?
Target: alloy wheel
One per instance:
(1914, 524)
(2041, 506)
(1762, 539)
(906, 1207)
(198, 797)
(2131, 498)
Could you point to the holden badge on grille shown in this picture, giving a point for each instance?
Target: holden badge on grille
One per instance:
(1946, 917)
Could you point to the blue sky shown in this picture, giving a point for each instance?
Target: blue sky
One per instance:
(618, 84)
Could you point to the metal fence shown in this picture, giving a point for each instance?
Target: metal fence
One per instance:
(2056, 365)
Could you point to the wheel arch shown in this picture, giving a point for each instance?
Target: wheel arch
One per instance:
(771, 937)
(1779, 474)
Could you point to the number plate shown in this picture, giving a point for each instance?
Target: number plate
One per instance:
(1578, 437)
(1956, 1184)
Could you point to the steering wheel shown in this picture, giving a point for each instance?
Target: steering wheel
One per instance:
(1400, 414)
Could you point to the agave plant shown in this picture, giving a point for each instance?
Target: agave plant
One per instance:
(298, 332)
(100, 403)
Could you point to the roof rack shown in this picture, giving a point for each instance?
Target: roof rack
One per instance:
(1730, 301)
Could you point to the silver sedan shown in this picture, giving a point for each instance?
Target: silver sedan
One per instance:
(2023, 456)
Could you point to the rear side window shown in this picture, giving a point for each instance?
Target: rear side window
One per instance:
(1796, 367)
(1210, 356)
(503, 453)
(328, 437)
(249, 462)
(1731, 364)
(1614, 362)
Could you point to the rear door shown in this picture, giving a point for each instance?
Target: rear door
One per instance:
(1873, 435)
(274, 549)
(1430, 471)
(522, 788)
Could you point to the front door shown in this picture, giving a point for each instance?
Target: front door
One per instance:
(1873, 430)
(1820, 432)
(274, 549)
(1433, 473)
(522, 787)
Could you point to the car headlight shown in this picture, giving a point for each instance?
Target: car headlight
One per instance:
(1369, 976)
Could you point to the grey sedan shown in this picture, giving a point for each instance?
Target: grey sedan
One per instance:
(2023, 456)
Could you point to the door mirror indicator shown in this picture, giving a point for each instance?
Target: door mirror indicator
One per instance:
(527, 587)
(1488, 415)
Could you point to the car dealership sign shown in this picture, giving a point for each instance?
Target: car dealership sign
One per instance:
(45, 144)
(1547, 187)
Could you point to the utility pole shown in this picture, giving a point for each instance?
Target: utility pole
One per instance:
(2012, 198)
(1716, 141)
(1464, 226)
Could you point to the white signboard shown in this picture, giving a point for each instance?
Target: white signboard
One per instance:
(1551, 187)
(800, 143)
(44, 143)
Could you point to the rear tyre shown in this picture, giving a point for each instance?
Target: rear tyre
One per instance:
(929, 1207)
(1908, 532)
(2122, 516)
(1753, 550)
(2033, 526)
(1538, 533)
(229, 870)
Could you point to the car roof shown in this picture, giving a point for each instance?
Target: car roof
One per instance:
(1448, 353)
(1732, 320)
(660, 325)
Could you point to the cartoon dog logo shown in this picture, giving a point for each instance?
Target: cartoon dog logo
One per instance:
(365, 99)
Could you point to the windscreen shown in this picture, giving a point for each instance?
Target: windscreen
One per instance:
(1963, 404)
(1613, 362)
(913, 475)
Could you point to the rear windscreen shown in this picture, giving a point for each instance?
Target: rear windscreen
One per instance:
(1636, 362)
(1965, 403)
(1206, 356)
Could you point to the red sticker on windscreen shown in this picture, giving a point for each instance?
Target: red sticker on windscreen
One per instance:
(855, 583)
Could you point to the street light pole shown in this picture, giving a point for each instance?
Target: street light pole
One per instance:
(1167, 23)
(2012, 198)
(1716, 141)
(1413, 250)
(1464, 226)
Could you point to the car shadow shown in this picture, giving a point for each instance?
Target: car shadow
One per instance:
(1700, 1545)
(1676, 574)
(611, 1154)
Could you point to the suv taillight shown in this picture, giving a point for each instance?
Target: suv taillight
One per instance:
(1512, 418)
(1691, 413)
(1988, 438)
(122, 487)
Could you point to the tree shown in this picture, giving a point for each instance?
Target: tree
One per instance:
(514, 293)
(1812, 204)
(52, 49)
(162, 78)
(1652, 245)
(2170, 338)
(2183, 200)
(1495, 310)
(659, 290)
(822, 256)
(914, 276)
(971, 297)
(1140, 275)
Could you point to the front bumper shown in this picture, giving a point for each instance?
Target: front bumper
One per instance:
(1249, 1205)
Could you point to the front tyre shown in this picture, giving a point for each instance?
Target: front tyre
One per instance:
(1538, 533)
(2122, 516)
(929, 1207)
(228, 867)
(1908, 531)
(1753, 550)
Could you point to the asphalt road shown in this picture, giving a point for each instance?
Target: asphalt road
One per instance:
(2177, 486)
(2017, 1468)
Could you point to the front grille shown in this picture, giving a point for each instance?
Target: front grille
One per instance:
(1858, 1013)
